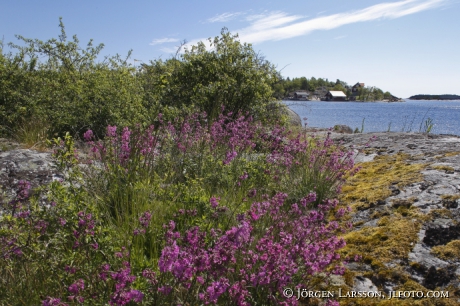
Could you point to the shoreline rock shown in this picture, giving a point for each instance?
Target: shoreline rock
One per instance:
(428, 205)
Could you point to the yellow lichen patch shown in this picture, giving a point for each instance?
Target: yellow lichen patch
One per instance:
(443, 168)
(369, 151)
(392, 239)
(403, 202)
(373, 181)
(450, 197)
(439, 213)
(448, 251)
(451, 154)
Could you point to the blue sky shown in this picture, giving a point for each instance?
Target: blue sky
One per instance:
(404, 46)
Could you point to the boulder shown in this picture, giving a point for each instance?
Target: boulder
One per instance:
(293, 117)
(38, 168)
(343, 129)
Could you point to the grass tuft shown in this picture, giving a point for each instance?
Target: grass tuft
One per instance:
(33, 134)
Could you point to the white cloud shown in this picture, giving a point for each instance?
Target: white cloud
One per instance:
(275, 26)
(163, 41)
(279, 25)
(340, 37)
(169, 50)
(224, 17)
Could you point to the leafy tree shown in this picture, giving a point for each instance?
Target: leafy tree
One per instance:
(279, 91)
(304, 83)
(228, 74)
(339, 87)
(377, 94)
(313, 84)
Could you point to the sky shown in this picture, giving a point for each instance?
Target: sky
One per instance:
(406, 47)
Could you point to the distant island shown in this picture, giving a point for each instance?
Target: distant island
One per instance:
(435, 97)
(319, 89)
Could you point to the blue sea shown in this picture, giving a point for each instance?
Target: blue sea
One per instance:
(408, 116)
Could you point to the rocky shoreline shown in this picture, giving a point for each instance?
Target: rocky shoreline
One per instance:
(405, 201)
(408, 230)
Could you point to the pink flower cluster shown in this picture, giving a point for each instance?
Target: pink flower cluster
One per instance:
(236, 135)
(123, 293)
(85, 228)
(252, 257)
(144, 221)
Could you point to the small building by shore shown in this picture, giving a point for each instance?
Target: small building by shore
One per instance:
(334, 95)
(301, 95)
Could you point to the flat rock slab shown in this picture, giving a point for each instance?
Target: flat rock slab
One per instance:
(428, 145)
(438, 190)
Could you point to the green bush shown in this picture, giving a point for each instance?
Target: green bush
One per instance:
(69, 90)
(225, 73)
(66, 86)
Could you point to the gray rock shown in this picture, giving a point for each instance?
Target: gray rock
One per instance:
(421, 254)
(436, 190)
(364, 284)
(440, 232)
(22, 164)
(343, 129)
(357, 266)
(293, 117)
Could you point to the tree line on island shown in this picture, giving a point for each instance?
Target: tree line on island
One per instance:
(318, 88)
(435, 97)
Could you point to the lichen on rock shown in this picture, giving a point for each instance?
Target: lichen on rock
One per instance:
(406, 215)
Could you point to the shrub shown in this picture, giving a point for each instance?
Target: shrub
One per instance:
(227, 73)
(71, 91)
(54, 250)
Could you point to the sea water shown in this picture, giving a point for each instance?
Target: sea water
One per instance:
(408, 116)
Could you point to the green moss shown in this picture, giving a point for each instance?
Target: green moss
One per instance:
(380, 213)
(449, 154)
(392, 239)
(449, 251)
(415, 265)
(450, 197)
(403, 202)
(439, 213)
(349, 277)
(443, 168)
(369, 151)
(398, 225)
(373, 181)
